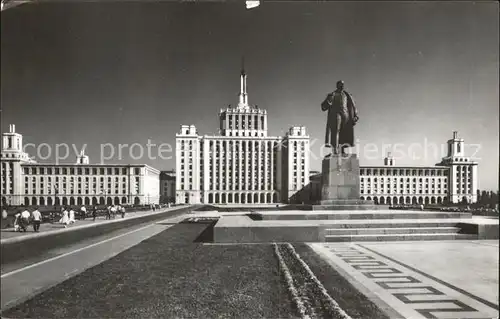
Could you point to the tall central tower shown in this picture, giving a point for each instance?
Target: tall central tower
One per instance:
(242, 164)
(244, 120)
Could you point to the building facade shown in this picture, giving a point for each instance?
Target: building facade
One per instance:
(243, 164)
(25, 182)
(453, 180)
(167, 187)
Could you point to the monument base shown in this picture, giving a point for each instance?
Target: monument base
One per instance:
(348, 204)
(340, 188)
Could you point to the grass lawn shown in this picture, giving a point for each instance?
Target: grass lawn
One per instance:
(171, 276)
(349, 298)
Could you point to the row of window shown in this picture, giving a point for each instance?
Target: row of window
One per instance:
(72, 179)
(247, 133)
(403, 172)
(223, 145)
(236, 187)
(78, 191)
(79, 171)
(403, 192)
(402, 185)
(401, 179)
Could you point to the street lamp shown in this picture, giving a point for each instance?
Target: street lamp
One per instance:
(56, 191)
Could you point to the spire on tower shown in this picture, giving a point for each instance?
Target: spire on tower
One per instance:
(243, 86)
(242, 65)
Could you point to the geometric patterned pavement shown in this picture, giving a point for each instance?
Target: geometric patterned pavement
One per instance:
(410, 292)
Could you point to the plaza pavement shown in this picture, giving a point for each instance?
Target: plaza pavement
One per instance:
(434, 279)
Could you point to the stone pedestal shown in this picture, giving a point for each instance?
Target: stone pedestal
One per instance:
(340, 178)
(340, 185)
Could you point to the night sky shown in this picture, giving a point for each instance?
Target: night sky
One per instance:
(92, 73)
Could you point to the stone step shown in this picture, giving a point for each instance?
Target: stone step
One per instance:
(402, 223)
(353, 207)
(399, 237)
(346, 215)
(391, 230)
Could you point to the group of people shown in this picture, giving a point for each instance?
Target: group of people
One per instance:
(68, 216)
(23, 219)
(113, 210)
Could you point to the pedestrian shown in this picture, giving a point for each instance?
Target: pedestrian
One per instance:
(108, 213)
(94, 213)
(65, 217)
(17, 220)
(37, 219)
(83, 212)
(71, 216)
(25, 219)
(122, 210)
(4, 214)
(113, 211)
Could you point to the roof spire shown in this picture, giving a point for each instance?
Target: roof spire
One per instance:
(243, 86)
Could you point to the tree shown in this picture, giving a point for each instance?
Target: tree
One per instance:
(494, 199)
(484, 197)
(464, 201)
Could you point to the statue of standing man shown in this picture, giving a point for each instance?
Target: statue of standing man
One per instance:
(342, 116)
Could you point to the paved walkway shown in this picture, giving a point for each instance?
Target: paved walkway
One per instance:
(88, 222)
(450, 279)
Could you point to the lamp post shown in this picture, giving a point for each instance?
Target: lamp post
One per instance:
(56, 191)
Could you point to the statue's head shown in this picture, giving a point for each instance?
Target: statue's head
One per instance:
(340, 85)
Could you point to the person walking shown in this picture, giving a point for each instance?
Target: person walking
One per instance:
(94, 213)
(71, 216)
(17, 221)
(83, 212)
(108, 213)
(65, 217)
(4, 214)
(122, 210)
(25, 219)
(113, 211)
(37, 219)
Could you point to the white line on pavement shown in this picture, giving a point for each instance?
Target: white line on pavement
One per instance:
(72, 252)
